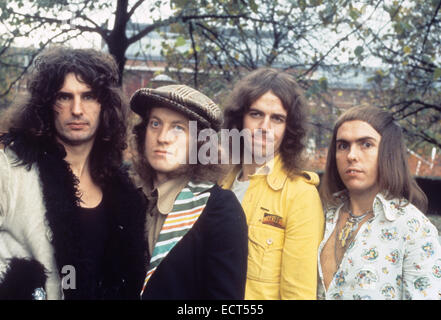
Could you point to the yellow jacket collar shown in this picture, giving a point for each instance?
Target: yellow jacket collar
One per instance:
(275, 178)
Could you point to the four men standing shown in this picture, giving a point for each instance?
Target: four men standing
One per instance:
(68, 206)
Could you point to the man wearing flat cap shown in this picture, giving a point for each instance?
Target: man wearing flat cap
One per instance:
(197, 233)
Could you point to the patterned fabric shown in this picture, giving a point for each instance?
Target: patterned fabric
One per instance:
(187, 208)
(396, 255)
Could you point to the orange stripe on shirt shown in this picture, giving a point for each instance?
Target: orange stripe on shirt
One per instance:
(178, 225)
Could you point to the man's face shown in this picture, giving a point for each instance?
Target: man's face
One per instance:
(76, 112)
(357, 146)
(266, 119)
(166, 141)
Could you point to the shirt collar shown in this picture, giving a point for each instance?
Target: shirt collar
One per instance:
(166, 193)
(275, 176)
(265, 169)
(272, 171)
(391, 209)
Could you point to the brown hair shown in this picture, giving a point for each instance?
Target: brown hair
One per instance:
(284, 86)
(34, 116)
(394, 177)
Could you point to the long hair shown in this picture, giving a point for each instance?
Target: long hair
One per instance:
(34, 117)
(394, 177)
(283, 85)
(194, 172)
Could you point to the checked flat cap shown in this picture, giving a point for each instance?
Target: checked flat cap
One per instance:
(181, 98)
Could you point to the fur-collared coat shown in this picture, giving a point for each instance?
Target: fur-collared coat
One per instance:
(39, 235)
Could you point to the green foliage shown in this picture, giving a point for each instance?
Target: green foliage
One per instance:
(436, 74)
(11, 66)
(220, 40)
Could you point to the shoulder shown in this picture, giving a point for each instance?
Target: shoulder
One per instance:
(223, 202)
(4, 161)
(9, 163)
(5, 168)
(222, 196)
(397, 209)
(412, 214)
(408, 218)
(224, 215)
(304, 183)
(307, 178)
(7, 156)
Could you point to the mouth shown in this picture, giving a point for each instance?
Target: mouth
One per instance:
(161, 152)
(353, 171)
(77, 125)
(263, 138)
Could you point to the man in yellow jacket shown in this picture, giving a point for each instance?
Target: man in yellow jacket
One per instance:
(283, 209)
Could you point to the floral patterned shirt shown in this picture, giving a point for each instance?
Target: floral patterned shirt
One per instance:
(396, 255)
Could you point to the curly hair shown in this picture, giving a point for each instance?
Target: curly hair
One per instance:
(33, 118)
(394, 177)
(283, 85)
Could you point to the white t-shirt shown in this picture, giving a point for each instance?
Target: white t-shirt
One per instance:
(240, 187)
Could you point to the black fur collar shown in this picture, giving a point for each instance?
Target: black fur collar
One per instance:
(60, 199)
(126, 248)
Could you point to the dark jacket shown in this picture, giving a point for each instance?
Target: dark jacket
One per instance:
(124, 257)
(210, 261)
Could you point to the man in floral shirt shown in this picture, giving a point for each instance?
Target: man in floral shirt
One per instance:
(378, 244)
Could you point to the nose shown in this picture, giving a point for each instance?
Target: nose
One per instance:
(265, 124)
(353, 153)
(165, 135)
(77, 107)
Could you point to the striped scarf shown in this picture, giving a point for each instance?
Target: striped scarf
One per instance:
(187, 208)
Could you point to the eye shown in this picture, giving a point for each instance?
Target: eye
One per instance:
(278, 119)
(63, 96)
(254, 114)
(89, 96)
(342, 145)
(367, 145)
(178, 128)
(154, 123)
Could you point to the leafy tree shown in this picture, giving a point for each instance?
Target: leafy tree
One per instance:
(407, 42)
(220, 39)
(65, 20)
(400, 40)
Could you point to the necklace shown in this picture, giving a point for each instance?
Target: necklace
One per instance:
(350, 226)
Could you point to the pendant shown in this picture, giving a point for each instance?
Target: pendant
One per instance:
(345, 232)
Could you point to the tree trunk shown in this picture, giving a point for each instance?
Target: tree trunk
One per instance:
(117, 40)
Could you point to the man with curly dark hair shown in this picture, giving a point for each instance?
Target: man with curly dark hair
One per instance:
(71, 221)
(281, 201)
